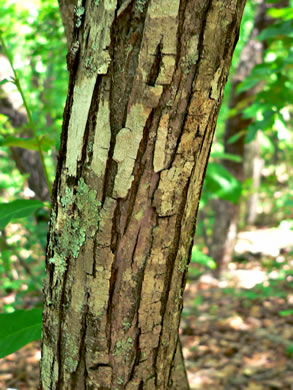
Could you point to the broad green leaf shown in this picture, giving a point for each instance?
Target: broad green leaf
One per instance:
(18, 329)
(19, 208)
(27, 143)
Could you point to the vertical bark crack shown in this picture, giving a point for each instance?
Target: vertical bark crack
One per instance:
(155, 69)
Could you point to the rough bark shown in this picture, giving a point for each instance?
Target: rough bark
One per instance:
(67, 14)
(227, 213)
(145, 89)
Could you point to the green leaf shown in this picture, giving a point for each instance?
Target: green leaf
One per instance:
(283, 13)
(226, 156)
(285, 313)
(4, 81)
(18, 329)
(221, 184)
(236, 137)
(27, 143)
(248, 83)
(276, 30)
(289, 349)
(20, 208)
(200, 258)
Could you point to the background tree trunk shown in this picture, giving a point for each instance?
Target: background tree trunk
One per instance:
(227, 213)
(27, 161)
(146, 83)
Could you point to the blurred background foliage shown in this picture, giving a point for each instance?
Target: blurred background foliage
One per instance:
(250, 168)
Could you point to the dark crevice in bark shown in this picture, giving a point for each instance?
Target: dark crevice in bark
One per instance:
(60, 334)
(203, 138)
(193, 73)
(230, 28)
(134, 248)
(137, 357)
(178, 379)
(139, 167)
(112, 282)
(155, 69)
(185, 273)
(115, 236)
(181, 18)
(126, 33)
(82, 348)
(173, 360)
(96, 366)
(133, 192)
(95, 246)
(170, 263)
(63, 141)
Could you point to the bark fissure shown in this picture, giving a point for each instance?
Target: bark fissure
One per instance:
(155, 69)
(170, 267)
(139, 169)
(81, 370)
(193, 73)
(59, 341)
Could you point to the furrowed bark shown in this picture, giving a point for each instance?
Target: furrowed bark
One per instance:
(146, 84)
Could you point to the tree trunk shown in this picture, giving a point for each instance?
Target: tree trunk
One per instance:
(27, 161)
(253, 166)
(227, 213)
(146, 83)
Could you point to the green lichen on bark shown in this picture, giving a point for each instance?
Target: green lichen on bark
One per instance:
(140, 4)
(79, 219)
(79, 11)
(123, 348)
(90, 66)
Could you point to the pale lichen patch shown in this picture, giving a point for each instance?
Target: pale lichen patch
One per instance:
(82, 96)
(162, 134)
(96, 59)
(98, 302)
(152, 95)
(102, 139)
(215, 84)
(167, 70)
(49, 367)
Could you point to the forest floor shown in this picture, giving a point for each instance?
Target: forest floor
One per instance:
(237, 332)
